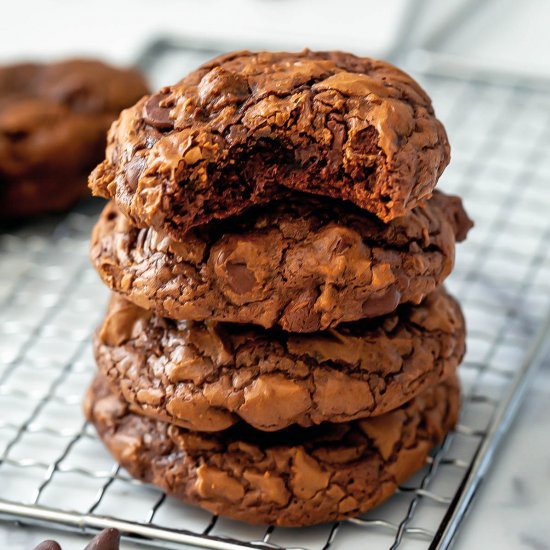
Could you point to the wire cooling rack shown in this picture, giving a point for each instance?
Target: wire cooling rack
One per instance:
(55, 472)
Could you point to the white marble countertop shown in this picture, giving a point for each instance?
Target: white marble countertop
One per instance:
(512, 508)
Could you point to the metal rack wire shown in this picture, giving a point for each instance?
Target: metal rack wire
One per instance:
(53, 469)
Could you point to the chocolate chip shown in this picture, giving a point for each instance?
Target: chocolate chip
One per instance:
(156, 115)
(48, 545)
(240, 278)
(220, 88)
(380, 306)
(133, 171)
(108, 539)
(299, 315)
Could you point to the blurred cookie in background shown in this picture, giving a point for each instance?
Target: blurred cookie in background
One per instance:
(53, 123)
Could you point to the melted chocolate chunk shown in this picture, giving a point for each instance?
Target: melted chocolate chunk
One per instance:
(133, 171)
(157, 115)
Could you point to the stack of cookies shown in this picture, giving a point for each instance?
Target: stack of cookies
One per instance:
(278, 347)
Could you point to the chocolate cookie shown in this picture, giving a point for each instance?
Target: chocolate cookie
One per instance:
(204, 376)
(294, 477)
(240, 128)
(53, 124)
(305, 264)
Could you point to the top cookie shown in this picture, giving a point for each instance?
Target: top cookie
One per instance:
(235, 131)
(53, 124)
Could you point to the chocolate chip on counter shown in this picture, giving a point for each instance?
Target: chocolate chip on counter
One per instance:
(48, 545)
(108, 539)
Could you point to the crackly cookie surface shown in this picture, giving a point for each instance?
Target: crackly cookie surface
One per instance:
(204, 376)
(304, 264)
(53, 123)
(235, 131)
(293, 477)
